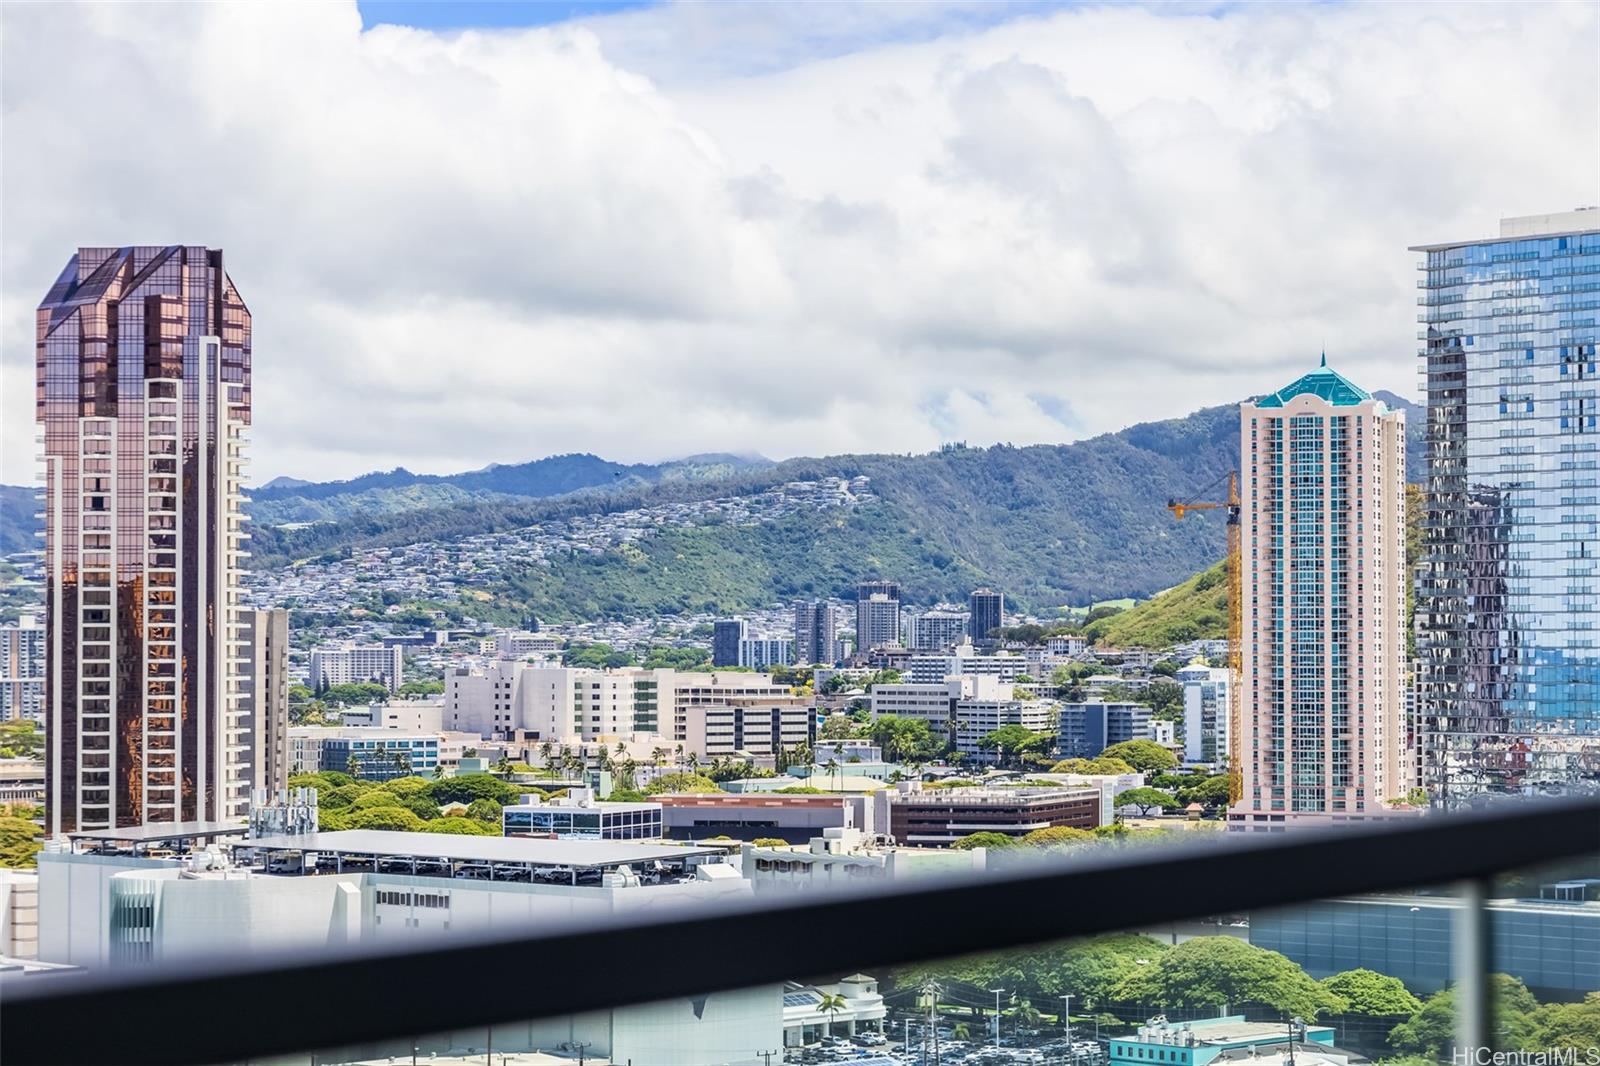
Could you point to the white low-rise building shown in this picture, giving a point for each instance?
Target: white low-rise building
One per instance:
(857, 1010)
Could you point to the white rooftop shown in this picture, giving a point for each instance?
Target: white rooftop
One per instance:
(579, 854)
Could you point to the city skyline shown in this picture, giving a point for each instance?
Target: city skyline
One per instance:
(769, 218)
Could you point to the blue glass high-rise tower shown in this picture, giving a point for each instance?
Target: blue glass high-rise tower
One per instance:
(1509, 673)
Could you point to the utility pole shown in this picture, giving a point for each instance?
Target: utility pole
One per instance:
(997, 992)
(1066, 1022)
(581, 1048)
(767, 1055)
(933, 991)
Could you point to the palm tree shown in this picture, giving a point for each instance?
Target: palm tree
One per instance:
(546, 753)
(352, 766)
(677, 759)
(830, 1005)
(622, 749)
(961, 1031)
(832, 766)
(692, 761)
(657, 757)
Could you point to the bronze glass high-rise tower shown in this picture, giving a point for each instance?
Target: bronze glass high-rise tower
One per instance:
(143, 400)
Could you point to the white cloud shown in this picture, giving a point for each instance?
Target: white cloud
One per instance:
(489, 247)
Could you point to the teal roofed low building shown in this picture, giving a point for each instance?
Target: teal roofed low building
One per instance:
(1323, 382)
(1227, 1039)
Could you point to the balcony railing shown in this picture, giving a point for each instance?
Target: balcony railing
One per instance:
(213, 1011)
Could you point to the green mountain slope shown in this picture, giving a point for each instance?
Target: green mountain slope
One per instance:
(287, 500)
(1194, 610)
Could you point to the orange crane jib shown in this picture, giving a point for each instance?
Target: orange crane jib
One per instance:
(1235, 574)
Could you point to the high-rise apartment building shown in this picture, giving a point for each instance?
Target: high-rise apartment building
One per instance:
(814, 635)
(937, 630)
(726, 636)
(1509, 673)
(265, 643)
(877, 615)
(1207, 714)
(987, 609)
(1323, 525)
(143, 362)
(762, 653)
(348, 664)
(22, 662)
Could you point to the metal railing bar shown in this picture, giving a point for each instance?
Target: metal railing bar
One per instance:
(210, 1011)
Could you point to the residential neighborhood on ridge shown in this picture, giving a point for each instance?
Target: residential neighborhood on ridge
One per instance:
(370, 743)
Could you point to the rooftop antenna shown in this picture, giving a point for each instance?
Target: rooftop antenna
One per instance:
(1324, 356)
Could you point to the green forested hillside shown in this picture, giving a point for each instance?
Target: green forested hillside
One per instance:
(1048, 524)
(1194, 610)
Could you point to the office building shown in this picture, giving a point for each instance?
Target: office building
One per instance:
(938, 818)
(1084, 730)
(579, 816)
(388, 890)
(264, 640)
(1509, 671)
(849, 1007)
(143, 401)
(1227, 1039)
(347, 664)
(22, 669)
(937, 630)
(1207, 705)
(758, 815)
(814, 633)
(977, 717)
(726, 636)
(964, 659)
(1323, 528)
(877, 615)
(1550, 943)
(988, 610)
(761, 653)
(372, 753)
(758, 729)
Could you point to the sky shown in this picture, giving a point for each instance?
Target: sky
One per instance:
(484, 233)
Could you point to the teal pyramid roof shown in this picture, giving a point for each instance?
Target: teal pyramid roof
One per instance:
(1324, 382)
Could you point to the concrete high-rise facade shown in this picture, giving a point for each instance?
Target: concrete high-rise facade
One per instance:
(22, 663)
(1207, 714)
(1323, 526)
(143, 364)
(1508, 693)
(350, 664)
(877, 615)
(265, 634)
(987, 611)
(814, 634)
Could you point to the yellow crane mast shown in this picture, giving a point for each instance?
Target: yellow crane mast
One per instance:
(1234, 568)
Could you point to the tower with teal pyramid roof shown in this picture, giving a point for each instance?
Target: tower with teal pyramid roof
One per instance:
(1322, 488)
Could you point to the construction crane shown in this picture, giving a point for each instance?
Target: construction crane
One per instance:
(1234, 569)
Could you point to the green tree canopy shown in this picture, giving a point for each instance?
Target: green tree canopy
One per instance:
(1209, 971)
(469, 827)
(1209, 792)
(1144, 755)
(408, 786)
(1373, 993)
(1012, 742)
(18, 845)
(486, 811)
(1058, 836)
(464, 788)
(904, 739)
(356, 692)
(1147, 800)
(681, 782)
(1565, 1025)
(1100, 765)
(394, 819)
(984, 840)
(836, 727)
(1431, 1031)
